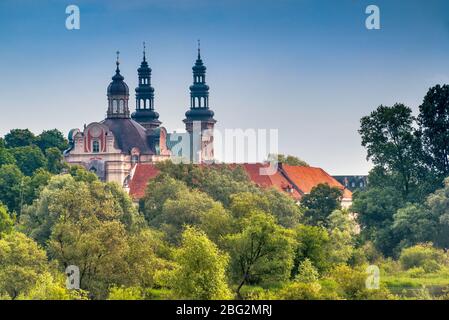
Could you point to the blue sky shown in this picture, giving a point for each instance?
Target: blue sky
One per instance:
(309, 68)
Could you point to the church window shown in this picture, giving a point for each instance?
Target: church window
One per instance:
(95, 146)
(122, 106)
(114, 106)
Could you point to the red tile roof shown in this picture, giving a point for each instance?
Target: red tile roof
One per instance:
(286, 179)
(142, 175)
(276, 180)
(305, 178)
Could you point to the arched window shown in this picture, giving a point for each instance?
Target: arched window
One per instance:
(122, 106)
(95, 146)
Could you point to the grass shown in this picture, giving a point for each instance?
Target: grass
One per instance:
(403, 283)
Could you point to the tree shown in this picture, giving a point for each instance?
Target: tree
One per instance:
(98, 248)
(12, 187)
(261, 251)
(200, 272)
(342, 231)
(433, 122)
(438, 203)
(427, 222)
(220, 182)
(50, 286)
(197, 209)
(391, 143)
(65, 199)
(281, 206)
(147, 255)
(415, 224)
(29, 159)
(289, 160)
(22, 261)
(169, 205)
(6, 157)
(320, 203)
(51, 139)
(312, 243)
(307, 272)
(19, 138)
(80, 174)
(375, 208)
(159, 190)
(35, 184)
(6, 222)
(54, 160)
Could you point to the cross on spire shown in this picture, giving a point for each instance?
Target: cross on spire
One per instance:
(199, 49)
(144, 53)
(118, 61)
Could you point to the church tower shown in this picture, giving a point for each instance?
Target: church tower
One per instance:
(199, 119)
(145, 114)
(118, 95)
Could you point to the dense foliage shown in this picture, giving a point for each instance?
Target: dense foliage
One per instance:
(208, 232)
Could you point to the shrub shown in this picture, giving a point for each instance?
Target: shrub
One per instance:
(423, 255)
(307, 273)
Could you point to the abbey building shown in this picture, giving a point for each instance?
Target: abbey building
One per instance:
(124, 147)
(114, 146)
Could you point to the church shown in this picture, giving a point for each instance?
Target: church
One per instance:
(114, 146)
(125, 146)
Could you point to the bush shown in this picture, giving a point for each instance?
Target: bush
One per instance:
(416, 272)
(307, 272)
(122, 293)
(423, 255)
(300, 291)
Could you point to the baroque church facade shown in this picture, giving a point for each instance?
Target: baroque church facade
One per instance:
(113, 147)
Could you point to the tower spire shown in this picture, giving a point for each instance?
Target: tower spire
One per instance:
(199, 49)
(117, 62)
(145, 114)
(199, 117)
(118, 94)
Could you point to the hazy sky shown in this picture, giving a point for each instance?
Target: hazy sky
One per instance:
(309, 68)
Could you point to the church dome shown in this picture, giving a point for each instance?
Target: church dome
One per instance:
(118, 87)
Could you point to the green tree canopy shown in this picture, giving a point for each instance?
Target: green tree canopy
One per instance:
(29, 159)
(200, 271)
(261, 251)
(289, 160)
(12, 187)
(54, 160)
(320, 203)
(22, 261)
(66, 198)
(6, 222)
(391, 143)
(433, 122)
(19, 138)
(51, 139)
